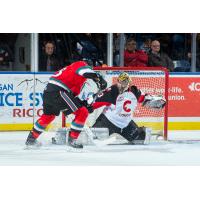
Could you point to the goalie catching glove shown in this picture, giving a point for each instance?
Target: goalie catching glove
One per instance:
(154, 101)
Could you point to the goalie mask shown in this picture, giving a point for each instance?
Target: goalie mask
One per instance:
(123, 81)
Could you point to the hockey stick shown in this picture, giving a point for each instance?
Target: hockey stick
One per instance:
(97, 142)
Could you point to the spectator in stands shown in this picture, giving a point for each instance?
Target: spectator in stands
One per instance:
(5, 57)
(189, 54)
(132, 56)
(49, 61)
(146, 46)
(178, 46)
(87, 48)
(101, 43)
(158, 58)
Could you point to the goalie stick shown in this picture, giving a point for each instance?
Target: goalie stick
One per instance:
(98, 142)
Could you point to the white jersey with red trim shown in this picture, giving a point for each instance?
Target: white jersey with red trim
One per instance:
(119, 107)
(120, 114)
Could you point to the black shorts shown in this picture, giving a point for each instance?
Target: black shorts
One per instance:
(128, 132)
(56, 101)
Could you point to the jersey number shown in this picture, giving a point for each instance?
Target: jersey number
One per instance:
(59, 72)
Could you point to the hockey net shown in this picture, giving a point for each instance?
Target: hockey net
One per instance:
(151, 80)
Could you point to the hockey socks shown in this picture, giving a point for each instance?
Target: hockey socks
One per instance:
(38, 128)
(41, 124)
(31, 139)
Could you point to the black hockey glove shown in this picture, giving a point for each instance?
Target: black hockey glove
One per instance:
(89, 107)
(135, 91)
(98, 79)
(101, 83)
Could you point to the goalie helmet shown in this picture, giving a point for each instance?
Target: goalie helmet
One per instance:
(123, 82)
(124, 77)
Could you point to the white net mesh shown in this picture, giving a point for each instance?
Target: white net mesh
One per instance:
(148, 80)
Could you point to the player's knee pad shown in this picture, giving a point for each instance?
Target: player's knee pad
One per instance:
(141, 135)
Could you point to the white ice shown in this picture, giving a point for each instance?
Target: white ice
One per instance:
(157, 153)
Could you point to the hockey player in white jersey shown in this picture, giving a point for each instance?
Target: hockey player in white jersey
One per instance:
(121, 100)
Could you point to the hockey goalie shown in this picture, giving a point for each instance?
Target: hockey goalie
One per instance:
(120, 101)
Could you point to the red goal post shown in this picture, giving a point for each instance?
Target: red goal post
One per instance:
(151, 80)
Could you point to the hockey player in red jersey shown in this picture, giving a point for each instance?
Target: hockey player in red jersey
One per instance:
(61, 95)
(121, 100)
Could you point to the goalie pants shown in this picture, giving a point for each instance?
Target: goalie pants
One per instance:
(131, 132)
(56, 101)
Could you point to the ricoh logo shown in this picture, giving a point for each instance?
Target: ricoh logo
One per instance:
(194, 86)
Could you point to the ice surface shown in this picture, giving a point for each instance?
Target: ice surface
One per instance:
(158, 153)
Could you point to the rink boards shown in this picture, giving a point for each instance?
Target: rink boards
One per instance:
(19, 91)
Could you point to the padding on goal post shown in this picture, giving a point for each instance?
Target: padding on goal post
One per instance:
(151, 80)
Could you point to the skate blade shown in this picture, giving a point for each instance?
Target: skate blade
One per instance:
(74, 150)
(33, 147)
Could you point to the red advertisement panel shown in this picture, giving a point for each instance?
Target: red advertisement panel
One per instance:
(184, 96)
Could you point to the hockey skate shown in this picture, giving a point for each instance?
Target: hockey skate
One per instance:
(74, 143)
(147, 136)
(31, 142)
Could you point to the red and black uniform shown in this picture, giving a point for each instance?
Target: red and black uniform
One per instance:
(117, 115)
(61, 95)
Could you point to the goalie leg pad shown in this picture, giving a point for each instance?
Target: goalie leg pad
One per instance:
(60, 137)
(137, 135)
(142, 136)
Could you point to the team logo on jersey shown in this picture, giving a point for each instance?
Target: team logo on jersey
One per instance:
(126, 106)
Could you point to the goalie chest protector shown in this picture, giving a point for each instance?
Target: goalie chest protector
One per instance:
(120, 114)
